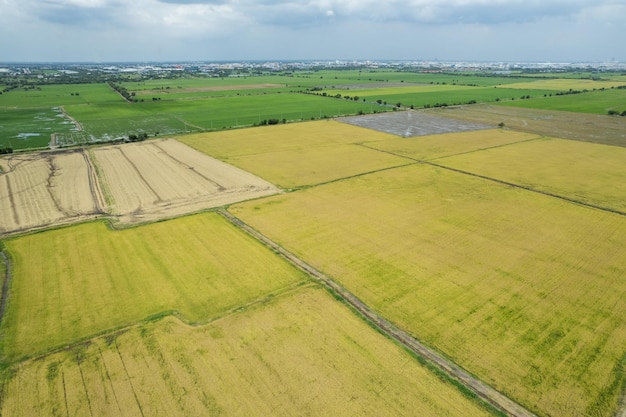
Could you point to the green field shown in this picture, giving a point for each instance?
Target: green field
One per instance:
(187, 104)
(72, 283)
(595, 102)
(31, 128)
(448, 95)
(517, 287)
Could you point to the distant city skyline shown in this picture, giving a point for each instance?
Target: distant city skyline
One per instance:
(232, 30)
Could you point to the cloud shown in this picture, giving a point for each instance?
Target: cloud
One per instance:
(195, 1)
(224, 29)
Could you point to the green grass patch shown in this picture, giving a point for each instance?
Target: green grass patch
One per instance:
(31, 128)
(595, 102)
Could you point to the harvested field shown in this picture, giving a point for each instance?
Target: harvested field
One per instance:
(131, 183)
(157, 179)
(75, 282)
(585, 172)
(45, 189)
(524, 290)
(302, 353)
(447, 144)
(593, 128)
(300, 154)
(412, 123)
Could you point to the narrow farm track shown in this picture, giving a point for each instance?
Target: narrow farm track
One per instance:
(94, 185)
(482, 390)
(5, 285)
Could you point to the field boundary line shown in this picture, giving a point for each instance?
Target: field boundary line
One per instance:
(481, 389)
(16, 217)
(219, 186)
(510, 184)
(349, 177)
(140, 175)
(94, 186)
(489, 148)
(523, 187)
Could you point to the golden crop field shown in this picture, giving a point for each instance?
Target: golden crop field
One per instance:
(524, 290)
(301, 353)
(298, 154)
(72, 283)
(564, 84)
(591, 173)
(437, 146)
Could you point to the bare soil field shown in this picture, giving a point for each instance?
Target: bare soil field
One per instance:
(43, 189)
(602, 129)
(413, 123)
(158, 179)
(130, 182)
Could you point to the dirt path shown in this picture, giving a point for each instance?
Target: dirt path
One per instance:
(482, 390)
(79, 127)
(5, 285)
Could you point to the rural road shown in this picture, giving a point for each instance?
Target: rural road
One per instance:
(484, 391)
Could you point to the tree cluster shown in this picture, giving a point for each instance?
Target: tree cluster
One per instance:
(137, 138)
(122, 91)
(4, 151)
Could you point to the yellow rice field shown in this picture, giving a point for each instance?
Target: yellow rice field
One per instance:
(437, 146)
(302, 353)
(72, 283)
(299, 154)
(591, 173)
(524, 290)
(564, 84)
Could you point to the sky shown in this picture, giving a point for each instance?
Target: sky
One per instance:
(238, 30)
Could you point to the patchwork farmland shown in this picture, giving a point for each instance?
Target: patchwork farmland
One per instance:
(131, 183)
(477, 243)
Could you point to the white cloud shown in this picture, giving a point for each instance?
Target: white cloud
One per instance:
(204, 29)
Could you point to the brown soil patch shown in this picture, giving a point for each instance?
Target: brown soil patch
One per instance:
(607, 130)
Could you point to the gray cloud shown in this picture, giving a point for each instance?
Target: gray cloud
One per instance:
(275, 29)
(194, 1)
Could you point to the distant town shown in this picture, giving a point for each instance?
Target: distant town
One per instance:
(67, 71)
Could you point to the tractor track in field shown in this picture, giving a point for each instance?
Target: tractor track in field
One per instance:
(453, 371)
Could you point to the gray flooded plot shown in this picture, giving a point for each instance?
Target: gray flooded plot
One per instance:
(412, 123)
